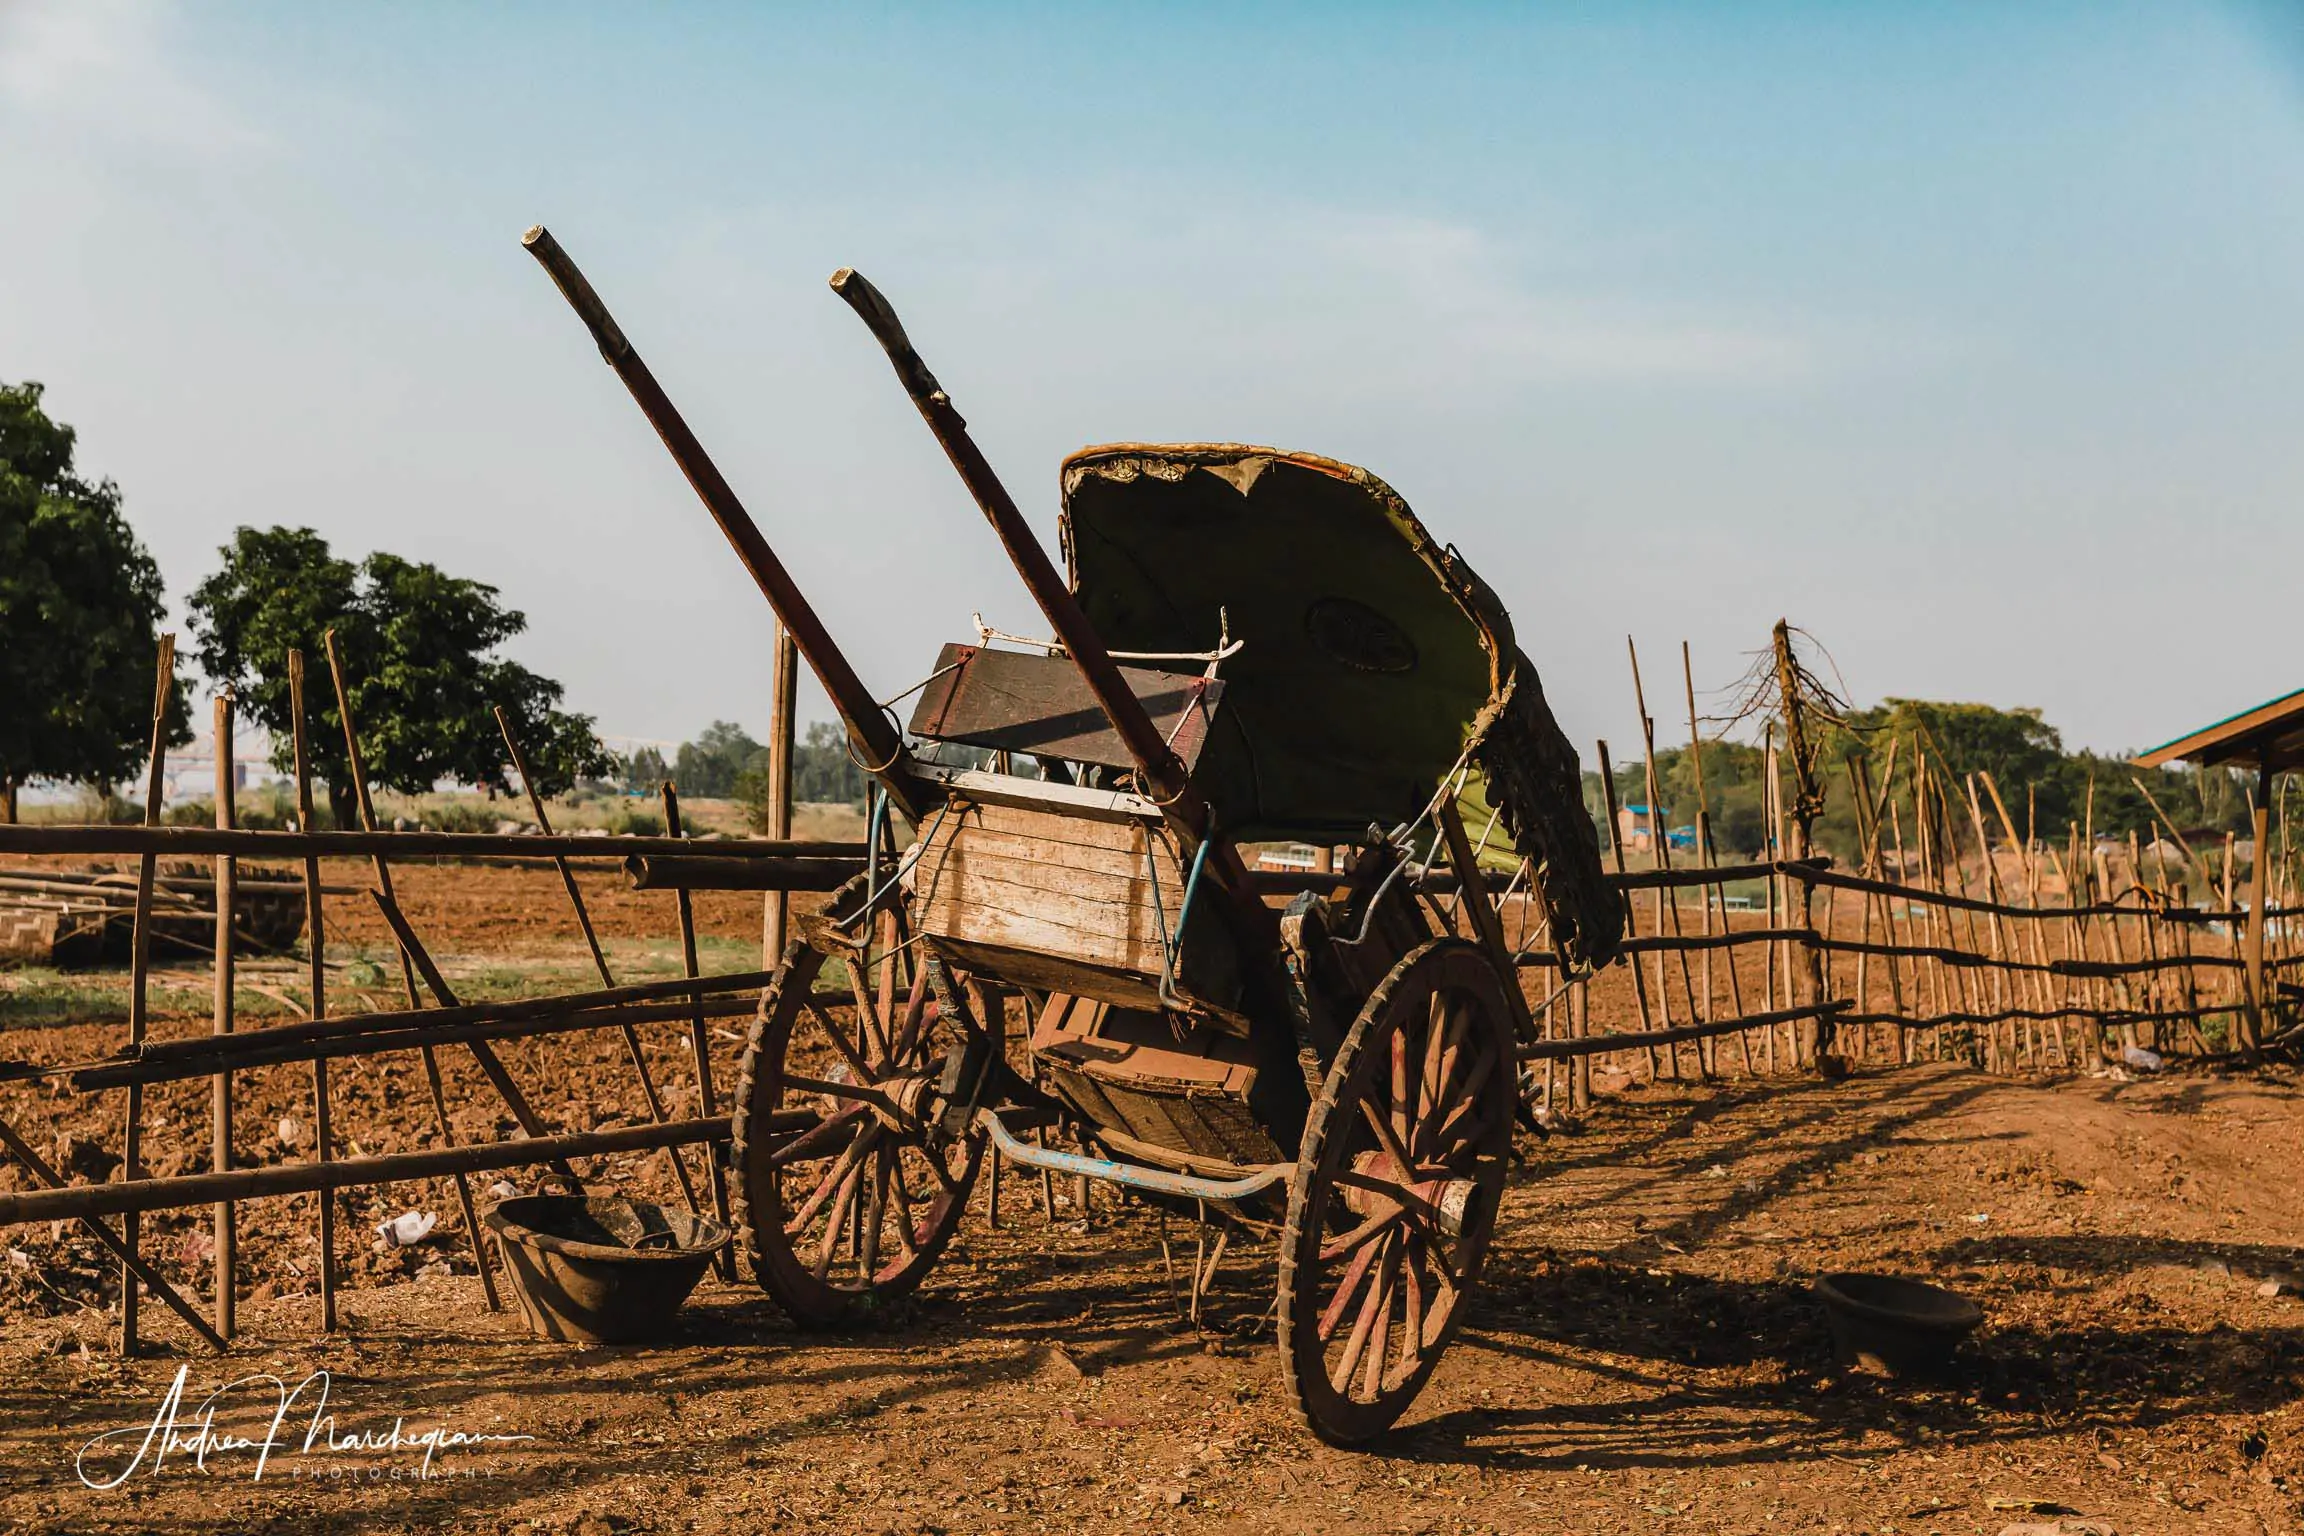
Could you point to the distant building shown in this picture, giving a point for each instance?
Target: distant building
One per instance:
(1637, 826)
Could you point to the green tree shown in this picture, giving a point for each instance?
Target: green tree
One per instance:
(822, 770)
(80, 611)
(822, 774)
(708, 767)
(418, 647)
(644, 770)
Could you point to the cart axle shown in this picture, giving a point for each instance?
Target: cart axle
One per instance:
(1131, 1175)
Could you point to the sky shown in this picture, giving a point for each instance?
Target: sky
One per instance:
(1969, 338)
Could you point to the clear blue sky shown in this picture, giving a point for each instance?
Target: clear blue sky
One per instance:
(1969, 337)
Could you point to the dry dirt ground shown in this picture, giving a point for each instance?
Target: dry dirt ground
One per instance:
(1645, 1355)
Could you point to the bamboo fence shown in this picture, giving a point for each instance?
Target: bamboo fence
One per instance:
(434, 1018)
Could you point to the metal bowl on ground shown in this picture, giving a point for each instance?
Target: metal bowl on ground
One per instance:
(1890, 1324)
(601, 1270)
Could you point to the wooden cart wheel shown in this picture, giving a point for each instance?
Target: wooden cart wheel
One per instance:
(1396, 1191)
(853, 1213)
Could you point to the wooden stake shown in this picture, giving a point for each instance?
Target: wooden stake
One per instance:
(1660, 840)
(699, 1046)
(1807, 802)
(220, 1104)
(775, 919)
(648, 1091)
(39, 1169)
(59, 1204)
(1631, 921)
(491, 1066)
(322, 1143)
(2260, 828)
(1706, 856)
(140, 967)
(384, 895)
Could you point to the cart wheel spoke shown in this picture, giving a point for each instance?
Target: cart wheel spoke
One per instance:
(919, 1011)
(1340, 1374)
(872, 1036)
(1348, 1290)
(1441, 1050)
(1386, 1137)
(830, 1029)
(826, 1186)
(876, 1189)
(1375, 1226)
(836, 1220)
(1461, 1107)
(1412, 1284)
(907, 1222)
(1402, 1109)
(820, 1140)
(1372, 1373)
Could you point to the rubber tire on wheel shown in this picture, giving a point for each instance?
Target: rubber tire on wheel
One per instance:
(774, 1185)
(1375, 1271)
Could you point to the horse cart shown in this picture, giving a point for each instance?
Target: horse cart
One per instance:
(1249, 647)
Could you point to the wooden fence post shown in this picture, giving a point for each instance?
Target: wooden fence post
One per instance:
(220, 1103)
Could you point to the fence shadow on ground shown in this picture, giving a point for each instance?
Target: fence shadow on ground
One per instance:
(1688, 1370)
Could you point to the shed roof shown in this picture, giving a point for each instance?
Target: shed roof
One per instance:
(2270, 736)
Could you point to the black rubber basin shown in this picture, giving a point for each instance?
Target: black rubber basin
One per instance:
(601, 1270)
(1887, 1323)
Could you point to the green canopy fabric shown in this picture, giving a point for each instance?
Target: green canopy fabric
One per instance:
(1372, 660)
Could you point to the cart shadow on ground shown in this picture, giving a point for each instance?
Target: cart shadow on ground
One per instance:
(1690, 1370)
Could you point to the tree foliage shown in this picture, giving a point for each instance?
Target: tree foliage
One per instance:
(822, 774)
(708, 767)
(2046, 788)
(80, 613)
(421, 669)
(642, 770)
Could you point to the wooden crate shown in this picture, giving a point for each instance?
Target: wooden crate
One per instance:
(1071, 898)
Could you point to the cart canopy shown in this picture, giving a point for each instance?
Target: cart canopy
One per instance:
(1372, 660)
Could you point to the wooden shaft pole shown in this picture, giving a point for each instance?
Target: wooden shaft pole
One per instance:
(874, 734)
(323, 1146)
(1150, 750)
(1180, 801)
(220, 1102)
